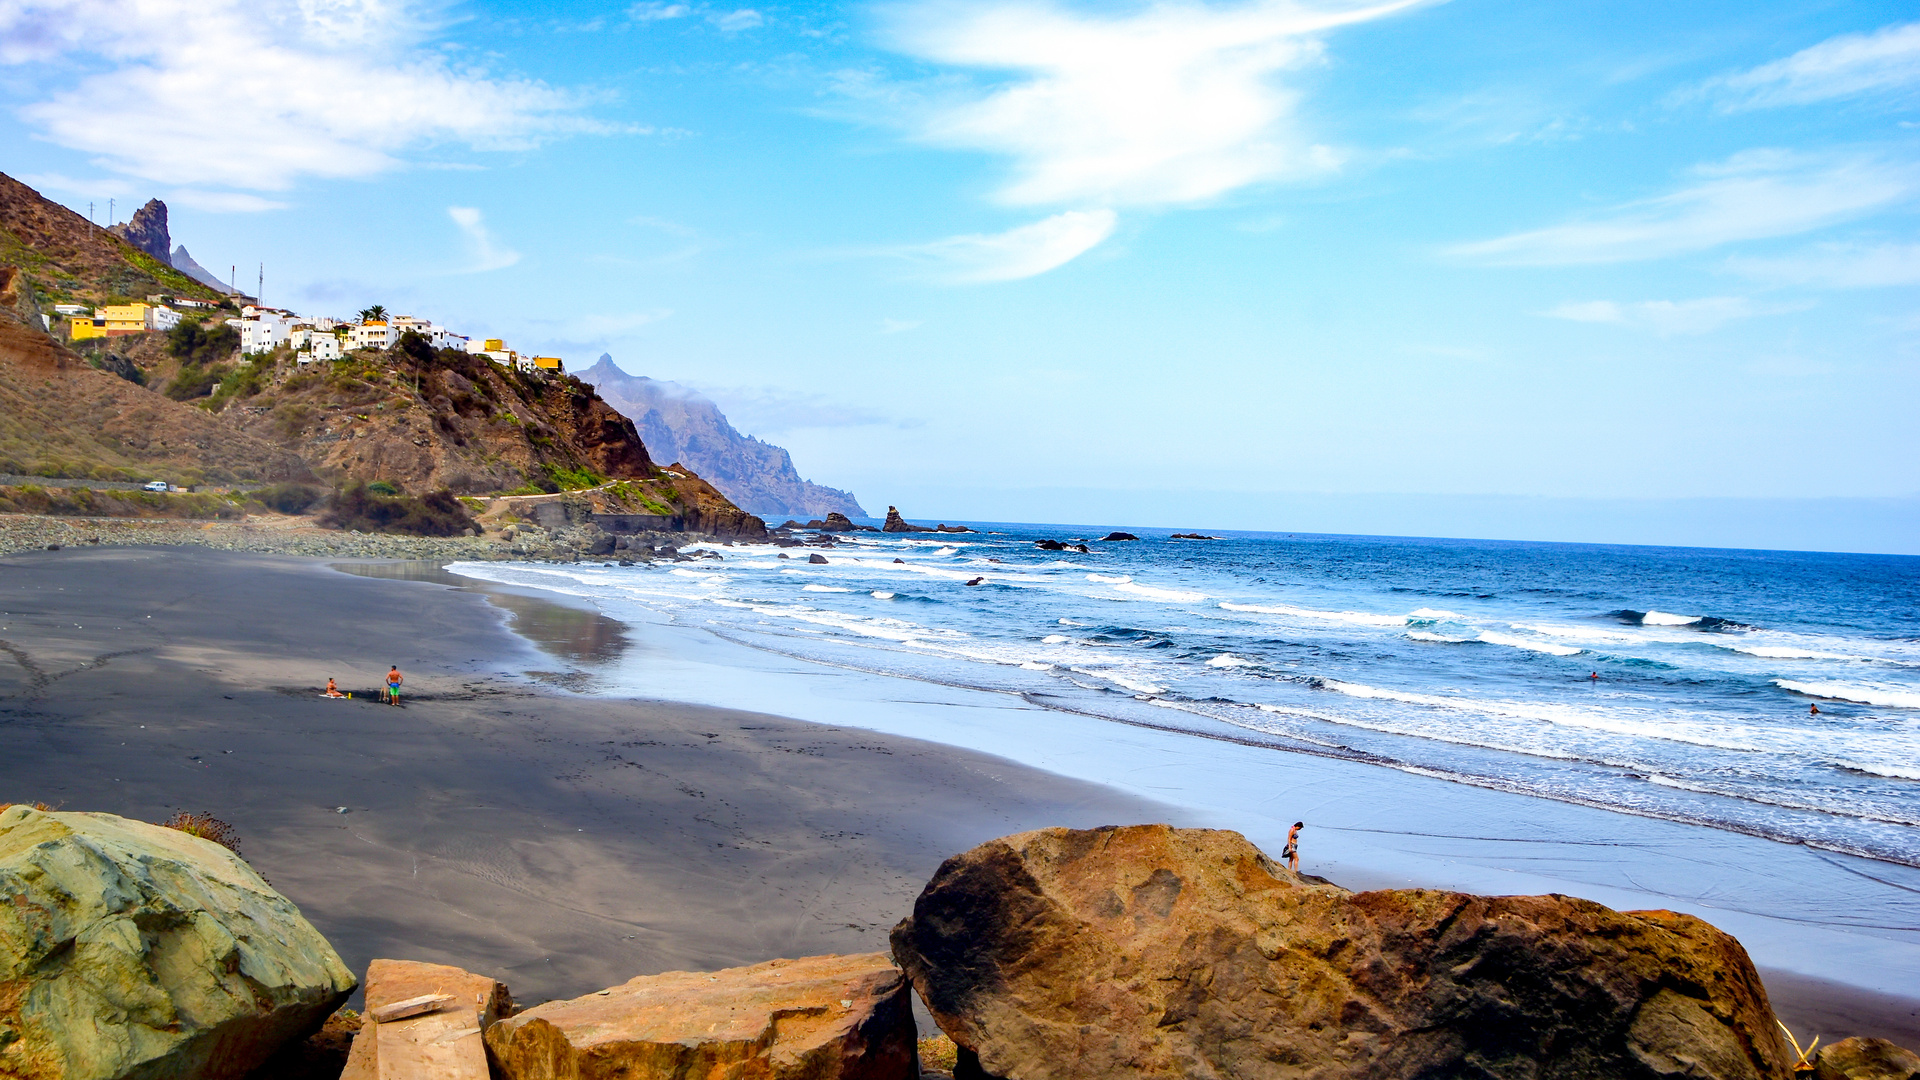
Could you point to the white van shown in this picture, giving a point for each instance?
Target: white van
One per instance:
(156, 485)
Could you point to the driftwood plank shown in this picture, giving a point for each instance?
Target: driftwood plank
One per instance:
(413, 1006)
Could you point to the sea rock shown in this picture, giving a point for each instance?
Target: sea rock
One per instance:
(1119, 536)
(817, 558)
(443, 1043)
(127, 949)
(1193, 536)
(816, 1018)
(841, 523)
(1049, 545)
(1149, 951)
(897, 524)
(1866, 1059)
(943, 527)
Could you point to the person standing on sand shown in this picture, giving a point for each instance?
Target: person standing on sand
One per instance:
(1292, 853)
(394, 679)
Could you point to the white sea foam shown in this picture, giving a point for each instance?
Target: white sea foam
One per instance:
(1589, 633)
(1433, 614)
(879, 594)
(1360, 617)
(1661, 618)
(1785, 652)
(823, 588)
(1422, 635)
(1881, 768)
(1614, 722)
(1228, 660)
(1110, 579)
(1892, 697)
(1511, 642)
(1174, 596)
(1054, 639)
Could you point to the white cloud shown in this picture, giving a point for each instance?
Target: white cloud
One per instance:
(1751, 196)
(1846, 66)
(1174, 103)
(654, 11)
(487, 255)
(1020, 252)
(1663, 317)
(1838, 266)
(287, 88)
(732, 21)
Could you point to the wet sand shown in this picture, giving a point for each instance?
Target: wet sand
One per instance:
(498, 821)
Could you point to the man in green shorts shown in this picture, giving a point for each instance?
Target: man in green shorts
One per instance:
(394, 680)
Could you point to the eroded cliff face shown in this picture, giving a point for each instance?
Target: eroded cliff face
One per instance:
(147, 231)
(70, 258)
(680, 425)
(426, 419)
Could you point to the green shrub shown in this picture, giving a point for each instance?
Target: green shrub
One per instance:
(195, 381)
(192, 343)
(436, 513)
(383, 487)
(288, 498)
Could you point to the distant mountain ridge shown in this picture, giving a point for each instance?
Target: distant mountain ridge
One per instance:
(678, 424)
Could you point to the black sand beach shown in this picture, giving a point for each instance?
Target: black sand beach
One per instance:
(496, 821)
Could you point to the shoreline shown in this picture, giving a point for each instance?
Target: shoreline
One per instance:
(834, 805)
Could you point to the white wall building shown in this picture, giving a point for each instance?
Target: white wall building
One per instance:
(373, 335)
(261, 329)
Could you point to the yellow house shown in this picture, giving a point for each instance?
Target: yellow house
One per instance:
(548, 363)
(82, 327)
(124, 318)
(493, 344)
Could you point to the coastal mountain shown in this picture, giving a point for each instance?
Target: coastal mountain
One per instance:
(70, 259)
(183, 262)
(678, 424)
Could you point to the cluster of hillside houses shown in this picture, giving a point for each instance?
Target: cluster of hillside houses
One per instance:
(263, 330)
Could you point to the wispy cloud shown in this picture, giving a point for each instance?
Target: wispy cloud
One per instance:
(1751, 196)
(655, 11)
(764, 410)
(487, 254)
(103, 187)
(734, 21)
(1663, 317)
(302, 87)
(1169, 104)
(1020, 252)
(899, 326)
(1850, 65)
(1838, 266)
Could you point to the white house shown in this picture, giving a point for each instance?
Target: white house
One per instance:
(162, 317)
(372, 335)
(316, 345)
(261, 330)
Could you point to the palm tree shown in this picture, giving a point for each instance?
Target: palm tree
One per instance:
(376, 313)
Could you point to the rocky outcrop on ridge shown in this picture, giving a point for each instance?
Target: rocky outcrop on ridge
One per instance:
(897, 524)
(130, 949)
(678, 424)
(818, 1018)
(147, 231)
(72, 259)
(1153, 951)
(183, 261)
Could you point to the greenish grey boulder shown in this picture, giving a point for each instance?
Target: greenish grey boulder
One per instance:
(132, 951)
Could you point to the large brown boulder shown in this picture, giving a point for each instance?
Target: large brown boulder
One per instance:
(1866, 1059)
(440, 1042)
(1149, 951)
(819, 1018)
(130, 950)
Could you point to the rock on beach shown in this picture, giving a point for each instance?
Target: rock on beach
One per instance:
(817, 1018)
(129, 949)
(1149, 951)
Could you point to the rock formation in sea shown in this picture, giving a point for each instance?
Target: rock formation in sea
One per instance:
(147, 231)
(897, 524)
(1152, 951)
(678, 424)
(128, 949)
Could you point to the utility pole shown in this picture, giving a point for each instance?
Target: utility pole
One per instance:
(109, 213)
(233, 279)
(90, 220)
(260, 288)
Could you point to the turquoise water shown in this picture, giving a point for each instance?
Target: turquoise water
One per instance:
(1672, 683)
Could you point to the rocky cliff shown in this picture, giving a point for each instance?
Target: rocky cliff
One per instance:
(183, 261)
(71, 259)
(147, 231)
(678, 424)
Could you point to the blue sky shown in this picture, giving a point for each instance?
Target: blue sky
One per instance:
(1228, 265)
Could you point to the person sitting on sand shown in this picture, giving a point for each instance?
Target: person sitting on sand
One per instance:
(394, 679)
(332, 690)
(1292, 853)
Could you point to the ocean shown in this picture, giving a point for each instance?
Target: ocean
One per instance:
(1674, 683)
